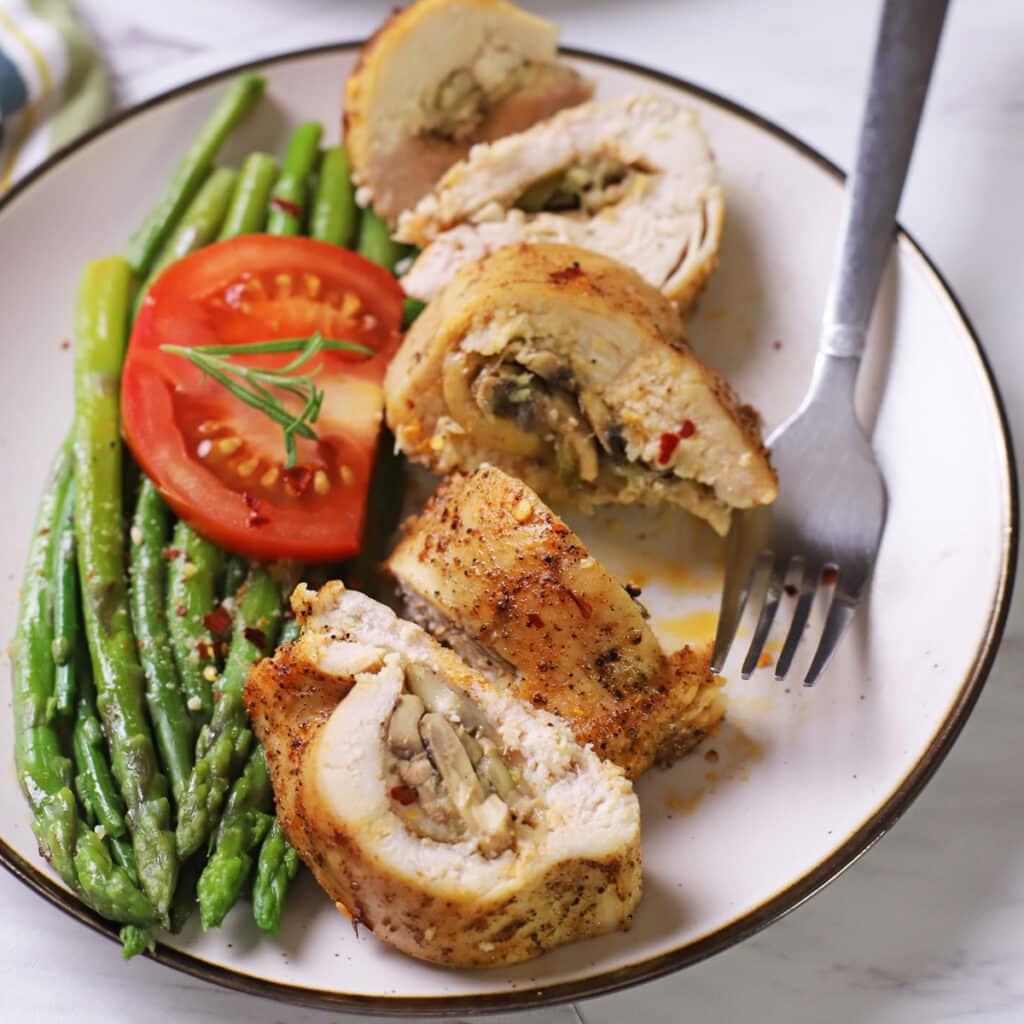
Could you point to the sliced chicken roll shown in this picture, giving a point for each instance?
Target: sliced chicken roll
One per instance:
(631, 177)
(440, 76)
(457, 822)
(567, 370)
(499, 578)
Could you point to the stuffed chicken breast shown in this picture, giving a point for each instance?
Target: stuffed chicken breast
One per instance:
(438, 77)
(502, 580)
(454, 820)
(567, 370)
(631, 177)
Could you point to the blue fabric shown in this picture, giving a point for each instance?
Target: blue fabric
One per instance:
(13, 92)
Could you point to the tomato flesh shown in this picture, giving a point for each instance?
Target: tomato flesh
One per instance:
(219, 463)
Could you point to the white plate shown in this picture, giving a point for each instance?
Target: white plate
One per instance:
(800, 782)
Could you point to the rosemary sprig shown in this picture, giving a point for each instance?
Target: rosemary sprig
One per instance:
(252, 385)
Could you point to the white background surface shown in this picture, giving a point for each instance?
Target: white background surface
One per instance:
(929, 926)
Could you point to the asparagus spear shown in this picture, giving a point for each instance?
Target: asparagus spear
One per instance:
(101, 335)
(198, 226)
(134, 940)
(224, 744)
(64, 573)
(277, 866)
(191, 171)
(411, 309)
(185, 895)
(334, 215)
(194, 569)
(94, 782)
(290, 195)
(75, 851)
(376, 243)
(107, 888)
(42, 770)
(247, 818)
(172, 726)
(248, 210)
(234, 575)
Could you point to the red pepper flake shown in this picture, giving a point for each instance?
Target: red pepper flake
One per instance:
(254, 504)
(688, 429)
(218, 621)
(570, 273)
(777, 344)
(256, 637)
(44, 531)
(829, 576)
(533, 619)
(585, 607)
(286, 206)
(181, 611)
(217, 694)
(559, 527)
(204, 650)
(65, 345)
(667, 445)
(405, 795)
(171, 553)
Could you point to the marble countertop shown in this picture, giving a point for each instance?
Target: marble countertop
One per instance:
(929, 925)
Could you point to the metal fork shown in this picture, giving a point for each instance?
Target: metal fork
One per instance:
(827, 521)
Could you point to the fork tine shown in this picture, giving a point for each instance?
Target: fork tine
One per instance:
(772, 596)
(739, 575)
(840, 613)
(801, 613)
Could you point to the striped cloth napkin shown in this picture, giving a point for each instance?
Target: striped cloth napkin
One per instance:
(53, 85)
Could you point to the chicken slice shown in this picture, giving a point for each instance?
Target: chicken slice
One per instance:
(499, 578)
(457, 822)
(439, 76)
(567, 370)
(631, 177)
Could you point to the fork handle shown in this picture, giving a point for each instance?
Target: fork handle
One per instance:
(908, 37)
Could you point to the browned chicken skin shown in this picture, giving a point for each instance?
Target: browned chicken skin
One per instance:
(494, 573)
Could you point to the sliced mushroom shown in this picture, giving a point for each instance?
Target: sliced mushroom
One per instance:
(448, 762)
(451, 760)
(493, 769)
(471, 744)
(443, 699)
(404, 728)
(546, 365)
(586, 454)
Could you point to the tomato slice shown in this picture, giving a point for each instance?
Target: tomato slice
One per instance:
(218, 462)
